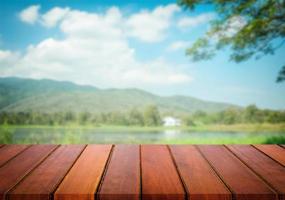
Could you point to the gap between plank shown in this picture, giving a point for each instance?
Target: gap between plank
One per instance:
(96, 195)
(180, 177)
(268, 155)
(60, 181)
(29, 172)
(233, 194)
(256, 174)
(28, 146)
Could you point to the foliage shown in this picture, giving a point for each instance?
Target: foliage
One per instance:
(275, 140)
(136, 117)
(249, 115)
(150, 116)
(188, 121)
(251, 28)
(281, 76)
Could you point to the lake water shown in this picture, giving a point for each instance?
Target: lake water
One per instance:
(84, 136)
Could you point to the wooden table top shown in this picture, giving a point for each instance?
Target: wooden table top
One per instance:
(149, 172)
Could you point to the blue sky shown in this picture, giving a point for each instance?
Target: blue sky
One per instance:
(127, 44)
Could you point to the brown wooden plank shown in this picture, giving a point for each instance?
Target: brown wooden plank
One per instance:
(160, 179)
(17, 168)
(268, 169)
(122, 178)
(239, 178)
(274, 151)
(83, 179)
(43, 180)
(201, 182)
(10, 151)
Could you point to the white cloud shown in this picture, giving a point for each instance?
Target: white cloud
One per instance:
(146, 25)
(157, 72)
(7, 60)
(30, 15)
(151, 26)
(92, 25)
(52, 17)
(186, 22)
(95, 50)
(4, 54)
(178, 45)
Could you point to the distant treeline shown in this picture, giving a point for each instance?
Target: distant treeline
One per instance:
(150, 116)
(249, 115)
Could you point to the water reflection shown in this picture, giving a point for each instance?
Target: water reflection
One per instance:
(83, 136)
(171, 133)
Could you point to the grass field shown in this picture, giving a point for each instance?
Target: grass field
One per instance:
(210, 134)
(212, 127)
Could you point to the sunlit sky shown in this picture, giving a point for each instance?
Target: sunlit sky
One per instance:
(129, 44)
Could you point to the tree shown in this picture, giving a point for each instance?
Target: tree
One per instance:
(281, 76)
(135, 117)
(69, 116)
(230, 116)
(83, 117)
(199, 114)
(188, 121)
(251, 28)
(251, 114)
(117, 118)
(151, 116)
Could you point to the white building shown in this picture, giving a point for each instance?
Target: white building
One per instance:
(171, 121)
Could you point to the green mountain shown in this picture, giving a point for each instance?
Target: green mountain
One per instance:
(21, 95)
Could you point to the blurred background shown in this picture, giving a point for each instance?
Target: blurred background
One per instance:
(176, 72)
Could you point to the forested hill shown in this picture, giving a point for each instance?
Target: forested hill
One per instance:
(25, 95)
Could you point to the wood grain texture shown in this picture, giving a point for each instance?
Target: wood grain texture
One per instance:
(41, 182)
(83, 179)
(271, 171)
(122, 178)
(202, 183)
(10, 151)
(239, 178)
(274, 151)
(160, 179)
(16, 169)
(149, 172)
